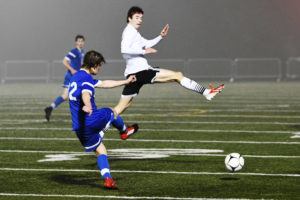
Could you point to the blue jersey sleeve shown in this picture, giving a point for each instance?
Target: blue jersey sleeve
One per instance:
(88, 85)
(97, 82)
(71, 55)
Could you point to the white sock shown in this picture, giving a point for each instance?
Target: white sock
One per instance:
(206, 92)
(192, 85)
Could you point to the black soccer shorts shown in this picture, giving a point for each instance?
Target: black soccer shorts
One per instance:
(142, 78)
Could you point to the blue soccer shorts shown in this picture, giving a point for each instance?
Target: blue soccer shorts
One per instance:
(95, 126)
(68, 77)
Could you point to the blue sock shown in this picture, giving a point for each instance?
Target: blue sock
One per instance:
(119, 124)
(103, 166)
(57, 101)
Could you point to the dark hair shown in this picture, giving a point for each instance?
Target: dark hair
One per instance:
(79, 37)
(133, 10)
(92, 59)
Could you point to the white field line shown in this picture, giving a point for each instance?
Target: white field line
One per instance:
(151, 140)
(175, 100)
(296, 135)
(162, 130)
(150, 172)
(24, 121)
(87, 153)
(110, 197)
(213, 116)
(175, 110)
(188, 114)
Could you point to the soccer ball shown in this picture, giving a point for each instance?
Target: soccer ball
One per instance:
(234, 162)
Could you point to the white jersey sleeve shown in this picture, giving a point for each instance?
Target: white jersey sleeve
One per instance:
(153, 42)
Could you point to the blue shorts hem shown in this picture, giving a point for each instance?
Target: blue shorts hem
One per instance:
(95, 146)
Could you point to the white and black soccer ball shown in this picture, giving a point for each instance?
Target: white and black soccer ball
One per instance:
(234, 162)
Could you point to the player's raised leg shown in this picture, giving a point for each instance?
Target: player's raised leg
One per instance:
(123, 104)
(165, 75)
(103, 165)
(55, 103)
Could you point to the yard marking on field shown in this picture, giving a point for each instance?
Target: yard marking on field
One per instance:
(151, 140)
(152, 172)
(162, 130)
(67, 114)
(24, 121)
(90, 153)
(194, 111)
(135, 153)
(216, 116)
(296, 135)
(113, 197)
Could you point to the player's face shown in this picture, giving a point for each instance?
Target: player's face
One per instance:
(136, 20)
(95, 70)
(80, 43)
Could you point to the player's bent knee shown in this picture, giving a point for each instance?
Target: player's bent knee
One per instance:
(178, 76)
(115, 112)
(101, 150)
(65, 97)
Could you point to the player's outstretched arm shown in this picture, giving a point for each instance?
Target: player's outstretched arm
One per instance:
(116, 83)
(153, 42)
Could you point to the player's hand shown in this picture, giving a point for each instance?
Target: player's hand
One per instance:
(150, 50)
(165, 30)
(87, 109)
(131, 79)
(73, 71)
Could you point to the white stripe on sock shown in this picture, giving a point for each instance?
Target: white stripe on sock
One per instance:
(104, 171)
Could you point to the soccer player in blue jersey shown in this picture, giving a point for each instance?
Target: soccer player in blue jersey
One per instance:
(89, 122)
(72, 61)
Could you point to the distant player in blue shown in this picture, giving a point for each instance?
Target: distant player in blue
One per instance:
(89, 122)
(72, 62)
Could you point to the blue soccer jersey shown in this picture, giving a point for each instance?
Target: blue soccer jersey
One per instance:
(80, 82)
(75, 57)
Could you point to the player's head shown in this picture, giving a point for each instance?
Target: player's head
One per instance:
(92, 61)
(79, 40)
(135, 16)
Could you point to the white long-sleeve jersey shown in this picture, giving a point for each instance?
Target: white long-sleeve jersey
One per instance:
(133, 47)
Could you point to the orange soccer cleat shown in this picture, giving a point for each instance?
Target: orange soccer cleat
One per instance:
(214, 91)
(110, 184)
(130, 131)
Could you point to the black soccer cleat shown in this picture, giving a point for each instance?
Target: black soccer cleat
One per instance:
(48, 111)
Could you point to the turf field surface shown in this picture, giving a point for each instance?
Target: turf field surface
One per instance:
(178, 152)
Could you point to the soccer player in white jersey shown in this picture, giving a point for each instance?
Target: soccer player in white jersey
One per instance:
(72, 61)
(89, 122)
(134, 48)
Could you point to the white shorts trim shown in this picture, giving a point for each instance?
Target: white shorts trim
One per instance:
(97, 144)
(129, 96)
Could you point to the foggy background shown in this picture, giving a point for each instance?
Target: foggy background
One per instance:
(214, 32)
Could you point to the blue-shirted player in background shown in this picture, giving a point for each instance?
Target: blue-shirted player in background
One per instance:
(72, 61)
(89, 122)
